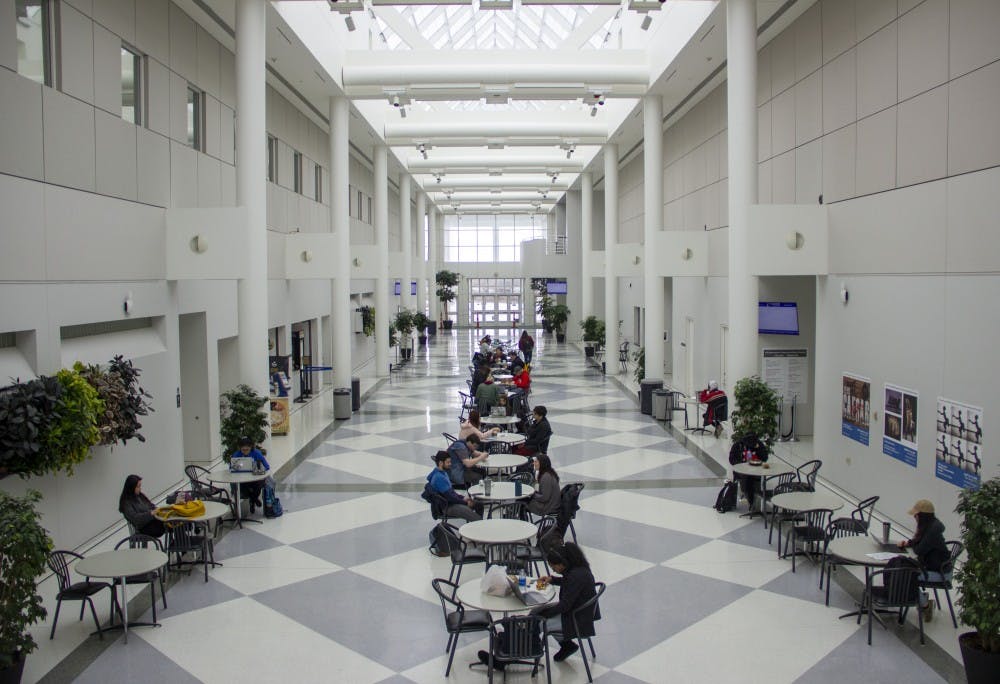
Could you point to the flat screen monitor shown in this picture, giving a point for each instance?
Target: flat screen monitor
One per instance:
(556, 287)
(777, 318)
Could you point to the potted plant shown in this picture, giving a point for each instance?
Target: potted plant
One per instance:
(404, 326)
(557, 315)
(420, 323)
(242, 416)
(756, 412)
(24, 550)
(446, 282)
(593, 332)
(367, 320)
(544, 305)
(979, 577)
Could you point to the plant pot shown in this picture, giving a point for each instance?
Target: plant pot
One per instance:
(432, 328)
(12, 674)
(588, 351)
(560, 337)
(422, 340)
(981, 667)
(448, 324)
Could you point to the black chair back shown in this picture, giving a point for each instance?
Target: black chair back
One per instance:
(718, 408)
(589, 607)
(522, 476)
(497, 447)
(863, 512)
(807, 473)
(449, 437)
(522, 638)
(900, 585)
(59, 562)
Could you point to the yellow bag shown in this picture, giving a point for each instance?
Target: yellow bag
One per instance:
(188, 509)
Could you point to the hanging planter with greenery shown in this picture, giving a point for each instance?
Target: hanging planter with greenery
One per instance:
(242, 416)
(756, 412)
(124, 399)
(24, 550)
(74, 431)
(27, 410)
(368, 320)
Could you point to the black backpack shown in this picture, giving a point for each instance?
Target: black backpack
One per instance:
(438, 503)
(726, 500)
(443, 539)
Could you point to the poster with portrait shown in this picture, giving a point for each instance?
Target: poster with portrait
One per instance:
(959, 443)
(855, 412)
(899, 435)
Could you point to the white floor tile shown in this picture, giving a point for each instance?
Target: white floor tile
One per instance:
(413, 571)
(623, 464)
(612, 567)
(729, 562)
(673, 515)
(760, 637)
(320, 521)
(375, 466)
(373, 441)
(242, 640)
(618, 424)
(270, 569)
(576, 403)
(633, 439)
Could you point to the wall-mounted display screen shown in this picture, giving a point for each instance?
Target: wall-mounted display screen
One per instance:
(777, 318)
(556, 287)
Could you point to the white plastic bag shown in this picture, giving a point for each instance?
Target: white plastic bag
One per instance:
(494, 582)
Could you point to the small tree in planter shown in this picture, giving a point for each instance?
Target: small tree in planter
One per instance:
(593, 332)
(979, 577)
(420, 324)
(24, 549)
(242, 416)
(557, 315)
(545, 305)
(404, 326)
(756, 413)
(446, 282)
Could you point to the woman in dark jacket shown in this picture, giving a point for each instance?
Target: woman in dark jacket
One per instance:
(929, 547)
(138, 509)
(576, 587)
(545, 500)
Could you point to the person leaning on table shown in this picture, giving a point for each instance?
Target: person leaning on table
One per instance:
(929, 547)
(473, 426)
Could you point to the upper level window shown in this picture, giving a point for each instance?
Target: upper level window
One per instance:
(195, 118)
(297, 172)
(319, 183)
(131, 86)
(34, 56)
(272, 158)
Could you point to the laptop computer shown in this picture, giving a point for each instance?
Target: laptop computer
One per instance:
(241, 464)
(886, 546)
(528, 598)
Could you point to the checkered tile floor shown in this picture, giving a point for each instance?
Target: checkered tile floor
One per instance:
(338, 590)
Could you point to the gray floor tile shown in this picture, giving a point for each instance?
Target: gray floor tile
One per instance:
(635, 540)
(241, 542)
(886, 661)
(372, 542)
(136, 661)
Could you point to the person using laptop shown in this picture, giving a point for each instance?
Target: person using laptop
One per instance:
(929, 547)
(251, 490)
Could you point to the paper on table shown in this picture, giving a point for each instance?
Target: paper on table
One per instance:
(883, 555)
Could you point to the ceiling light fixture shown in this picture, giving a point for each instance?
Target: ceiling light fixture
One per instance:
(402, 112)
(593, 110)
(647, 21)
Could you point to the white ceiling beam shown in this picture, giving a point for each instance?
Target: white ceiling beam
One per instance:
(509, 197)
(591, 25)
(404, 29)
(510, 183)
(362, 78)
(481, 165)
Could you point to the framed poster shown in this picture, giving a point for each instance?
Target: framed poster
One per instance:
(855, 410)
(899, 436)
(958, 446)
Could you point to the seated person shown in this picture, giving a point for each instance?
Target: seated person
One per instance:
(709, 396)
(576, 587)
(464, 458)
(479, 376)
(458, 506)
(251, 490)
(515, 362)
(537, 435)
(138, 509)
(519, 387)
(473, 426)
(930, 549)
(487, 395)
(748, 448)
(548, 494)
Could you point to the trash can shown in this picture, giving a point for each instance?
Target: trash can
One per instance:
(671, 405)
(646, 388)
(356, 394)
(660, 399)
(341, 403)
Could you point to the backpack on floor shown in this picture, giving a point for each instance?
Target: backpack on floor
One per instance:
(272, 504)
(726, 500)
(443, 539)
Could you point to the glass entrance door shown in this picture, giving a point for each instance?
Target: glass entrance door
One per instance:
(495, 300)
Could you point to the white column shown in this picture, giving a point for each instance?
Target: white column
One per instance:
(382, 313)
(421, 270)
(586, 244)
(340, 225)
(652, 123)
(611, 315)
(406, 238)
(251, 192)
(741, 87)
(432, 263)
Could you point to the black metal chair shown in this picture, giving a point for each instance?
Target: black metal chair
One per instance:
(153, 577)
(183, 537)
(568, 506)
(859, 520)
(899, 590)
(524, 641)
(537, 552)
(514, 556)
(497, 447)
(449, 438)
(590, 607)
(458, 620)
(203, 489)
(806, 475)
(460, 553)
(946, 571)
(782, 485)
(623, 355)
(812, 533)
(468, 403)
(59, 562)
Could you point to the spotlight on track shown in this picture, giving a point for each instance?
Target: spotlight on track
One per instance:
(593, 110)
(349, 20)
(647, 21)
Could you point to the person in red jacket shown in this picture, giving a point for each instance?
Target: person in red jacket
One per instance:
(706, 396)
(519, 385)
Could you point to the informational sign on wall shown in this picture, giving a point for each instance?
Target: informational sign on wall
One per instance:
(786, 371)
(855, 412)
(899, 437)
(959, 446)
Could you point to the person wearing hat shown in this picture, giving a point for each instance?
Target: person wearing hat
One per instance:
(707, 396)
(929, 547)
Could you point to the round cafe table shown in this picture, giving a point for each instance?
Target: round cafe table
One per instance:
(120, 564)
(511, 438)
(470, 595)
(497, 531)
(862, 550)
(763, 471)
(503, 462)
(500, 492)
(499, 420)
(213, 511)
(807, 501)
(234, 480)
